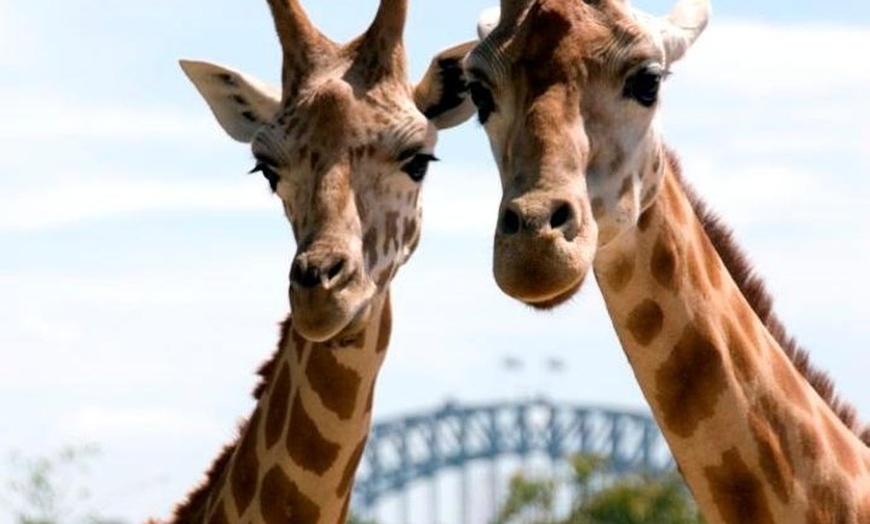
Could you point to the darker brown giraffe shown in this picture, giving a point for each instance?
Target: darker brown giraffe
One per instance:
(567, 91)
(345, 144)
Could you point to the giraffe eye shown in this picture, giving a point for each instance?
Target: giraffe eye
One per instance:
(269, 174)
(643, 85)
(417, 166)
(482, 98)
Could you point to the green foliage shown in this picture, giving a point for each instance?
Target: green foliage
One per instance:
(356, 519)
(49, 489)
(638, 500)
(600, 498)
(528, 499)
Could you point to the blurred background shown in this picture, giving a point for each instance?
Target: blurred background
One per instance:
(143, 274)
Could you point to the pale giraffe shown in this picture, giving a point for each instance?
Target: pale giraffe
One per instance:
(345, 145)
(567, 91)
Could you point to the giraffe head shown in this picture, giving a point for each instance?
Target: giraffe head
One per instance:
(345, 143)
(567, 91)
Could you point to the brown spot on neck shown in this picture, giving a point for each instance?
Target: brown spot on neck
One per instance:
(737, 493)
(645, 321)
(243, 479)
(336, 385)
(768, 427)
(306, 444)
(690, 382)
(282, 501)
(663, 264)
(742, 351)
(830, 505)
(618, 275)
(279, 403)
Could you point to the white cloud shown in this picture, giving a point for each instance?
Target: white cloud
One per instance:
(100, 422)
(47, 117)
(15, 48)
(775, 194)
(78, 198)
(751, 57)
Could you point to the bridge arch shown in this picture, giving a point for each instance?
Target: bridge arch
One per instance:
(415, 447)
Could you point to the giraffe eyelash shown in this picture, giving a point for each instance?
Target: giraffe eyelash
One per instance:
(418, 165)
(269, 174)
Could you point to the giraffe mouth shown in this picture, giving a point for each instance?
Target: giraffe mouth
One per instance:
(322, 315)
(555, 301)
(540, 272)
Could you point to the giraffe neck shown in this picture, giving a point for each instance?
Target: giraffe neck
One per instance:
(296, 456)
(752, 438)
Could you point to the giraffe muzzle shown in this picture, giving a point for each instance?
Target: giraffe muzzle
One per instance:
(328, 290)
(543, 248)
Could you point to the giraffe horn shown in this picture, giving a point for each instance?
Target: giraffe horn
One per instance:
(302, 43)
(684, 25)
(679, 30)
(389, 22)
(382, 41)
(487, 21)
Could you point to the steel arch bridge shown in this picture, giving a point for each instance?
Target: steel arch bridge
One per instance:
(404, 450)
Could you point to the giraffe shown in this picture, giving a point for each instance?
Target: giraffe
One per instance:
(567, 92)
(345, 144)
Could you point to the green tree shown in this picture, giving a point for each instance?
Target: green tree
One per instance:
(356, 519)
(50, 489)
(528, 501)
(638, 500)
(600, 498)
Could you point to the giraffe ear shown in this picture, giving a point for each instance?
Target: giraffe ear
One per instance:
(442, 95)
(241, 104)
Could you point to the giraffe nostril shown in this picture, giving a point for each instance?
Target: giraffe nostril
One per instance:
(509, 223)
(335, 270)
(563, 214)
(305, 276)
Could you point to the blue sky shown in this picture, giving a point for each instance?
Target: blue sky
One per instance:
(142, 274)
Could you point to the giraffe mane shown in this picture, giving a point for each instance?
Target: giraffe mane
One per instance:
(755, 291)
(190, 511)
